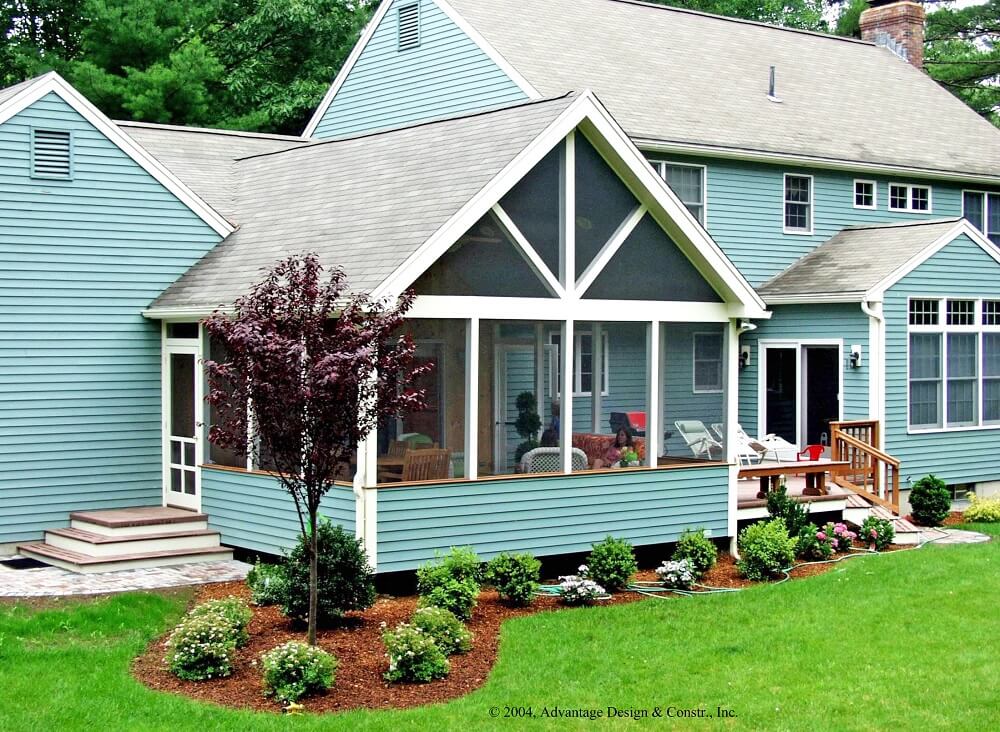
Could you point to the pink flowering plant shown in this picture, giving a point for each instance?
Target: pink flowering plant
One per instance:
(876, 533)
(840, 537)
(814, 543)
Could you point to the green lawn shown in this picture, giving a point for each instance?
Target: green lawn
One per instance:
(905, 641)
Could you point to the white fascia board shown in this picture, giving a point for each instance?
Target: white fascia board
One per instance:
(345, 70)
(194, 313)
(52, 83)
(877, 293)
(815, 297)
(777, 158)
(653, 192)
(535, 309)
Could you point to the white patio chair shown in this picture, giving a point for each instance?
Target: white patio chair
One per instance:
(549, 460)
(698, 438)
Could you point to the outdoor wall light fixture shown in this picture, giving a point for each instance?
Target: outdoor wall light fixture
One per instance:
(855, 357)
(744, 356)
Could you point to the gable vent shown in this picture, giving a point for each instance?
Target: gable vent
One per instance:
(51, 154)
(409, 26)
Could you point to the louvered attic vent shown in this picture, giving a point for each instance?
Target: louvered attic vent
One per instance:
(409, 26)
(51, 154)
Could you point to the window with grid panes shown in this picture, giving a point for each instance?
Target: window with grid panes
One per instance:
(798, 203)
(961, 312)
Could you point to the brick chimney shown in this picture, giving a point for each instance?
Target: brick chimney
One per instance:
(902, 22)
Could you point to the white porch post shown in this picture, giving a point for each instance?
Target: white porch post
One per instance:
(540, 371)
(366, 497)
(731, 392)
(472, 398)
(654, 433)
(566, 357)
(597, 385)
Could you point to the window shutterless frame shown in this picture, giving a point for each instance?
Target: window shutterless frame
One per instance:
(982, 220)
(864, 189)
(660, 166)
(810, 205)
(716, 388)
(911, 192)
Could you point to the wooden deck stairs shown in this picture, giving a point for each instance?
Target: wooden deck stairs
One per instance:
(128, 538)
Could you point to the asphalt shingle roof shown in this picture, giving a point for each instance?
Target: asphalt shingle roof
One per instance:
(856, 259)
(365, 203)
(673, 75)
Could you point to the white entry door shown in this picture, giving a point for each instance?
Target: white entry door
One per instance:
(182, 417)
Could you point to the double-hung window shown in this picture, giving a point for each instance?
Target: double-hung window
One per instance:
(916, 199)
(798, 204)
(688, 182)
(583, 371)
(982, 210)
(954, 363)
(707, 362)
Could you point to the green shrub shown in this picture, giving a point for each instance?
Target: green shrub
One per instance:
(930, 501)
(445, 628)
(877, 533)
(201, 647)
(515, 577)
(451, 581)
(809, 545)
(698, 549)
(413, 655)
(345, 582)
(678, 574)
(611, 564)
(982, 510)
(294, 670)
(267, 583)
(234, 613)
(765, 550)
(793, 513)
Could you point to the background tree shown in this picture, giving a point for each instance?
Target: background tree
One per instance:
(316, 384)
(241, 64)
(805, 14)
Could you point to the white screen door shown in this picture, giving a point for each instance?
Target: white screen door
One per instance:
(181, 420)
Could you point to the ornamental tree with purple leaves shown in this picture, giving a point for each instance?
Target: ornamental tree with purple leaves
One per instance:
(310, 371)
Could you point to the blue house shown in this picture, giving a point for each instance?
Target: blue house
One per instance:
(695, 227)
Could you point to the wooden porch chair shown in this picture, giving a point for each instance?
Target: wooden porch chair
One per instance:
(425, 464)
(397, 448)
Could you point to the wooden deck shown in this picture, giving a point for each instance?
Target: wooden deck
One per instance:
(749, 506)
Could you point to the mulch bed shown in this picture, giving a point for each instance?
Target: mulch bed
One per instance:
(358, 647)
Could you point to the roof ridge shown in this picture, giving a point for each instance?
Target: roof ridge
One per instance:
(900, 224)
(414, 125)
(744, 21)
(212, 131)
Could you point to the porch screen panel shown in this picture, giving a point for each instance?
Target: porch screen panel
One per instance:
(925, 380)
(534, 206)
(991, 378)
(182, 372)
(694, 390)
(218, 455)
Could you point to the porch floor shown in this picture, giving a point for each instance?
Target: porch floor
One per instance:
(747, 489)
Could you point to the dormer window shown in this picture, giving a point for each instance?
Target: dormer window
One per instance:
(408, 34)
(915, 199)
(51, 154)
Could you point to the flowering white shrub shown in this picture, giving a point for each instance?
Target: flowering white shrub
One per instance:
(446, 629)
(678, 574)
(294, 670)
(233, 611)
(413, 655)
(576, 589)
(201, 647)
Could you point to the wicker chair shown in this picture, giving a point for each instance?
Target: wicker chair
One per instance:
(549, 460)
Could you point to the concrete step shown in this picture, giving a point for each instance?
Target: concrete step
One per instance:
(101, 545)
(87, 564)
(138, 521)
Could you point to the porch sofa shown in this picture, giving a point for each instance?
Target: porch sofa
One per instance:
(595, 446)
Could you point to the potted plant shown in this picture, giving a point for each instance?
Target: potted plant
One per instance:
(630, 459)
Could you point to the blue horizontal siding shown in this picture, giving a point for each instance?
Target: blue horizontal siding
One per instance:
(547, 516)
(79, 365)
(817, 322)
(969, 456)
(448, 74)
(252, 511)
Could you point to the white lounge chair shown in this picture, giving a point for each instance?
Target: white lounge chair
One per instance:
(699, 439)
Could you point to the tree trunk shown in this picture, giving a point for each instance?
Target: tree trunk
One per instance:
(313, 577)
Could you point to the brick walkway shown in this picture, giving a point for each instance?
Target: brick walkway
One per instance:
(958, 536)
(55, 582)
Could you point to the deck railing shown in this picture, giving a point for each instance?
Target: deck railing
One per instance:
(869, 472)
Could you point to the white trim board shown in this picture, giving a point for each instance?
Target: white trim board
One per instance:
(52, 83)
(366, 37)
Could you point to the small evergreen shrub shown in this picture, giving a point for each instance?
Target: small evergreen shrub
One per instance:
(294, 670)
(611, 564)
(201, 647)
(698, 549)
(794, 514)
(447, 630)
(930, 501)
(267, 583)
(233, 612)
(765, 550)
(346, 581)
(515, 577)
(877, 533)
(678, 575)
(579, 589)
(413, 655)
(982, 510)
(814, 544)
(451, 582)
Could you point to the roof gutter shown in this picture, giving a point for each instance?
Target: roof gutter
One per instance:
(766, 156)
(814, 298)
